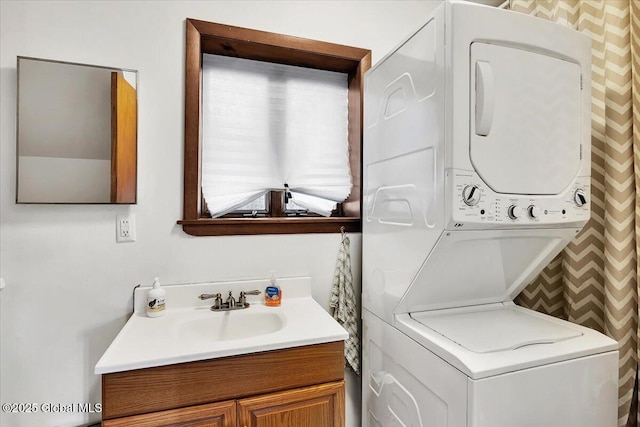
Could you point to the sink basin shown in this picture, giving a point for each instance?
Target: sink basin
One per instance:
(230, 325)
(189, 331)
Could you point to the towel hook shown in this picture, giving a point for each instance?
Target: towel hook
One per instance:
(343, 233)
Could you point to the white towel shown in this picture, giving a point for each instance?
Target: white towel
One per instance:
(343, 303)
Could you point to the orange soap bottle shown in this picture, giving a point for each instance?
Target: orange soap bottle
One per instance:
(273, 294)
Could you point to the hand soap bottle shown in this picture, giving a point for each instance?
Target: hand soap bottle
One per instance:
(155, 300)
(273, 294)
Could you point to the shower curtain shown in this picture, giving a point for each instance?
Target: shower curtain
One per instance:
(594, 281)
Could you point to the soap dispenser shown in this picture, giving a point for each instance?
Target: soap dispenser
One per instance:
(155, 300)
(273, 293)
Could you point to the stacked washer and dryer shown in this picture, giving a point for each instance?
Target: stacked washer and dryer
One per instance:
(476, 175)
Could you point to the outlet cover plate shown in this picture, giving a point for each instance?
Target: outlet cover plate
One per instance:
(126, 228)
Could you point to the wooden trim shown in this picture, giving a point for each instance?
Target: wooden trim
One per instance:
(221, 414)
(276, 203)
(124, 131)
(326, 401)
(207, 37)
(192, 93)
(247, 43)
(277, 225)
(186, 384)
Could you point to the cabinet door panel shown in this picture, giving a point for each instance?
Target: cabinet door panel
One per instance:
(317, 406)
(222, 414)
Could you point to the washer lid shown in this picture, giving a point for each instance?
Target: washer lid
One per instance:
(525, 119)
(493, 330)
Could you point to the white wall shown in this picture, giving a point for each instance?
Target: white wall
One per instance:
(68, 282)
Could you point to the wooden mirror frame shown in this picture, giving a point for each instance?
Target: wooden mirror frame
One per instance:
(207, 37)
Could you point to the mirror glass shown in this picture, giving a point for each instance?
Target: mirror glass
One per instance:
(77, 133)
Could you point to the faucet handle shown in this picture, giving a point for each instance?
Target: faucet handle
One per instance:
(243, 297)
(217, 302)
(217, 299)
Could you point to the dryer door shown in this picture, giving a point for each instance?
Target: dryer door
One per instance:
(525, 130)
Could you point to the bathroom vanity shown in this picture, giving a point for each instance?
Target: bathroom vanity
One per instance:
(260, 366)
(294, 386)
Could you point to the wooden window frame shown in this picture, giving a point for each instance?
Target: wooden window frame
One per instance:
(207, 37)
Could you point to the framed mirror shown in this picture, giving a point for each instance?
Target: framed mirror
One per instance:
(77, 129)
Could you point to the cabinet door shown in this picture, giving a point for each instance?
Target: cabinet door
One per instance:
(222, 414)
(317, 406)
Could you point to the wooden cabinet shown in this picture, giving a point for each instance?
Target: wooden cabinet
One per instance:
(318, 406)
(302, 386)
(222, 414)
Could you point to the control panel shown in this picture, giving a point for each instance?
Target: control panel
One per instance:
(474, 204)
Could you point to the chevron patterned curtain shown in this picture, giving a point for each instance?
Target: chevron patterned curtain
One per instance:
(594, 281)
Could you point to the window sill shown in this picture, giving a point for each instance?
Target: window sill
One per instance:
(285, 225)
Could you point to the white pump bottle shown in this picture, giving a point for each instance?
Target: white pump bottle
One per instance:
(155, 300)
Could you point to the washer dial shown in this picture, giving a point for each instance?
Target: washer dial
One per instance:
(471, 195)
(580, 197)
(534, 211)
(514, 212)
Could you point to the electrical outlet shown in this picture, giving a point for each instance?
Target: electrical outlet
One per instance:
(126, 228)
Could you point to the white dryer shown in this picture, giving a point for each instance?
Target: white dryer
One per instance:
(476, 174)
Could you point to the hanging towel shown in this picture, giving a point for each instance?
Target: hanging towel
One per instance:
(343, 303)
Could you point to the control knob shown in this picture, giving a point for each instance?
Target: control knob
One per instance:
(471, 195)
(580, 197)
(534, 211)
(514, 212)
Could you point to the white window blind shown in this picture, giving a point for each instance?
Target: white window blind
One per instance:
(266, 125)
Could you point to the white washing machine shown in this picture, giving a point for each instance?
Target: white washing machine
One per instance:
(476, 174)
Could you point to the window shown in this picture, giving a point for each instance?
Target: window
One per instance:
(271, 212)
(273, 127)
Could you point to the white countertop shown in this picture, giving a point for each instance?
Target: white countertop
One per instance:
(146, 342)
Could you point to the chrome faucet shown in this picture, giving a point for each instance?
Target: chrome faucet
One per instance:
(230, 303)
